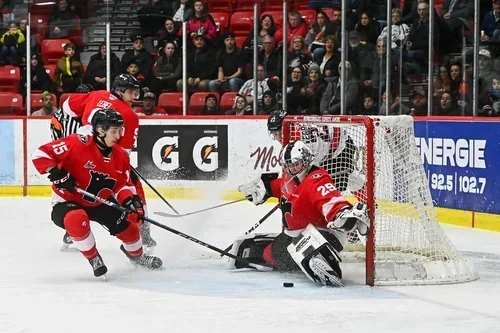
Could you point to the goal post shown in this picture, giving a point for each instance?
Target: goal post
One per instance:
(375, 160)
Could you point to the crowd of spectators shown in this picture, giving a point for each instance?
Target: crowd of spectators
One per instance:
(216, 64)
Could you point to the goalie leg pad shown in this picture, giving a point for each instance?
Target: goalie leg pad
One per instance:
(316, 257)
(250, 247)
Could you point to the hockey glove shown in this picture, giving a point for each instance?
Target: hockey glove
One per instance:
(350, 219)
(62, 180)
(134, 203)
(258, 190)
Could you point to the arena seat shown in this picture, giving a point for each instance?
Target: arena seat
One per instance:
(171, 103)
(227, 101)
(9, 78)
(247, 4)
(219, 5)
(51, 70)
(241, 23)
(309, 15)
(53, 50)
(11, 104)
(197, 102)
(221, 21)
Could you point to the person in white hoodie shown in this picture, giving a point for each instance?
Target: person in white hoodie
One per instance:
(399, 31)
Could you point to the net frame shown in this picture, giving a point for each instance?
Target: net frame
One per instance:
(450, 266)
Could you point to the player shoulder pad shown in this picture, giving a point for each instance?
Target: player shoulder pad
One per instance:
(83, 138)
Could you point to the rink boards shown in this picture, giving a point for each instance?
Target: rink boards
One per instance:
(199, 157)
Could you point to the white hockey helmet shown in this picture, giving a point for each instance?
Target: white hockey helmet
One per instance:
(297, 159)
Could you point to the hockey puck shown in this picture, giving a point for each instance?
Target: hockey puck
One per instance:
(288, 284)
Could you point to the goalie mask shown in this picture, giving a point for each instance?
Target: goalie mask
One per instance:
(297, 160)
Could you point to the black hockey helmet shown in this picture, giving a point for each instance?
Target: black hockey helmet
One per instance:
(275, 120)
(84, 88)
(105, 118)
(123, 82)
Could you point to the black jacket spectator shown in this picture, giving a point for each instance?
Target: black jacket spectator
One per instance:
(143, 59)
(40, 80)
(61, 21)
(97, 69)
(153, 15)
(201, 64)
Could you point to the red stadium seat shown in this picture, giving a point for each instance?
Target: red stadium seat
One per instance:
(301, 6)
(227, 101)
(53, 50)
(240, 40)
(274, 5)
(221, 21)
(39, 23)
(51, 70)
(9, 78)
(246, 4)
(197, 102)
(41, 7)
(11, 104)
(219, 5)
(309, 15)
(241, 23)
(329, 12)
(36, 101)
(171, 103)
(277, 17)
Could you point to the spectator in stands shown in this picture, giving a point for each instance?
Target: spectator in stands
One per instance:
(168, 69)
(330, 61)
(297, 26)
(12, 42)
(211, 108)
(95, 75)
(330, 102)
(266, 28)
(456, 78)
(230, 62)
(138, 54)
(263, 84)
(298, 55)
(456, 14)
(22, 46)
(200, 65)
(69, 71)
(240, 107)
(168, 34)
(418, 102)
(152, 16)
(486, 72)
(379, 66)
(317, 30)
(133, 69)
(40, 80)
(48, 107)
(270, 58)
(61, 21)
(378, 8)
(297, 100)
(334, 28)
(489, 101)
(396, 106)
(149, 107)
(399, 30)
(201, 22)
(368, 28)
(491, 23)
(183, 11)
(268, 103)
(315, 89)
(408, 11)
(360, 56)
(448, 106)
(442, 82)
(370, 107)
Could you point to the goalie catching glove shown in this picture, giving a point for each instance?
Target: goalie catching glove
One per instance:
(259, 189)
(134, 203)
(351, 219)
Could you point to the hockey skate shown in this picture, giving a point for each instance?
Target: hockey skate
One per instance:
(149, 262)
(147, 241)
(98, 265)
(325, 275)
(67, 245)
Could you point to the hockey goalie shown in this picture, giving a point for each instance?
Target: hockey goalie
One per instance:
(315, 217)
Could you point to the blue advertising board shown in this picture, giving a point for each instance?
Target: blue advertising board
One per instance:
(7, 153)
(462, 163)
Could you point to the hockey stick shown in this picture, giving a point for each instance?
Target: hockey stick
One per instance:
(154, 190)
(199, 211)
(176, 232)
(256, 225)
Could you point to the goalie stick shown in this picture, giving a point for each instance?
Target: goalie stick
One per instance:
(176, 232)
(199, 211)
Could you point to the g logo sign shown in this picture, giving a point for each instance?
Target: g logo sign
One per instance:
(165, 153)
(205, 154)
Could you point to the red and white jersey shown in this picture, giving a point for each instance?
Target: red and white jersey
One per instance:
(85, 105)
(95, 173)
(316, 200)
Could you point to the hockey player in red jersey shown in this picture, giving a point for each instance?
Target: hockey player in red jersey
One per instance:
(97, 164)
(315, 219)
(76, 116)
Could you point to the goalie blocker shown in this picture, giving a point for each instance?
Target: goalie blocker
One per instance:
(315, 219)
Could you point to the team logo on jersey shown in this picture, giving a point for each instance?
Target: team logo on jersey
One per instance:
(89, 165)
(205, 152)
(83, 138)
(166, 151)
(98, 182)
(316, 176)
(104, 104)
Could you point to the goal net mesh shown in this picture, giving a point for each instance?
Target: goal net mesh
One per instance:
(409, 246)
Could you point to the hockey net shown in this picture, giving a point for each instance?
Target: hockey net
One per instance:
(375, 160)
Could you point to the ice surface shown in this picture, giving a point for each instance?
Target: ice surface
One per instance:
(45, 290)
